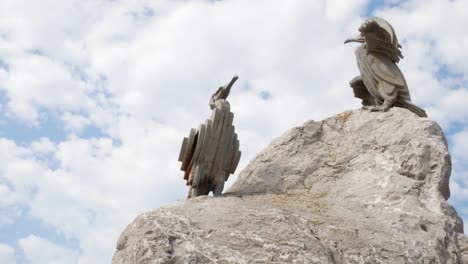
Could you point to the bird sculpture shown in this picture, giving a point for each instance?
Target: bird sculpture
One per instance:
(211, 153)
(381, 84)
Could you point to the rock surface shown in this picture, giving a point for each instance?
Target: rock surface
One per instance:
(359, 187)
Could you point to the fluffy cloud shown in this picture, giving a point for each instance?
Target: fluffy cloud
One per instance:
(95, 188)
(141, 72)
(29, 87)
(18, 172)
(460, 145)
(7, 254)
(39, 250)
(460, 173)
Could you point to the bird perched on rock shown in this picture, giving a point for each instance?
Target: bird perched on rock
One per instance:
(211, 153)
(381, 84)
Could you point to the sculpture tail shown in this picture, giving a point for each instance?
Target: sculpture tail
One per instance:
(413, 108)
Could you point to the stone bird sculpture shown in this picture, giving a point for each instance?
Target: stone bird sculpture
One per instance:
(381, 84)
(211, 153)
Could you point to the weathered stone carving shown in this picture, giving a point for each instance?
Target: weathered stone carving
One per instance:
(211, 153)
(381, 84)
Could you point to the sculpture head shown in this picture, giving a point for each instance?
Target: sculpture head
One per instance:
(222, 92)
(378, 36)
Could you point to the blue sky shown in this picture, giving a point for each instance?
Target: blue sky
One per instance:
(95, 97)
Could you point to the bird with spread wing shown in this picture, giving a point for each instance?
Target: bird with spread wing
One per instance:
(381, 84)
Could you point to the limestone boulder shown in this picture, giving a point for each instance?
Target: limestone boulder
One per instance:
(358, 187)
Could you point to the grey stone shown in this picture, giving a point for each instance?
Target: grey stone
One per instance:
(464, 248)
(381, 84)
(358, 187)
(211, 153)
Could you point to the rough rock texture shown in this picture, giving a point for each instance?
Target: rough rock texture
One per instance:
(359, 187)
(464, 247)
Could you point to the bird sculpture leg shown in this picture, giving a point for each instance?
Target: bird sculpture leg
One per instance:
(191, 193)
(198, 186)
(197, 190)
(389, 94)
(387, 104)
(219, 183)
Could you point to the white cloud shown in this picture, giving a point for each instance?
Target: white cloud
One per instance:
(37, 81)
(75, 123)
(460, 145)
(343, 9)
(18, 168)
(43, 146)
(9, 210)
(47, 58)
(459, 193)
(39, 250)
(459, 180)
(99, 187)
(7, 254)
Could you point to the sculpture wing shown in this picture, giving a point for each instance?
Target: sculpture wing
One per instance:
(383, 68)
(187, 150)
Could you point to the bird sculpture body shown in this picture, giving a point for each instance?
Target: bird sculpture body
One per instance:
(211, 153)
(381, 84)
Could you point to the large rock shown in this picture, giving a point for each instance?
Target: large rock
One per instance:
(359, 187)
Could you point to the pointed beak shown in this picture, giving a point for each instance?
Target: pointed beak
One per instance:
(359, 39)
(234, 79)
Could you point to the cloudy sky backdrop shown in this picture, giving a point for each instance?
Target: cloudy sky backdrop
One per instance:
(96, 96)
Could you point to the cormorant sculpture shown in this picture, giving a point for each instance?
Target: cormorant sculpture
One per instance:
(211, 153)
(381, 84)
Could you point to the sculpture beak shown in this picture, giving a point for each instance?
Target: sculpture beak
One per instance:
(231, 83)
(359, 39)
